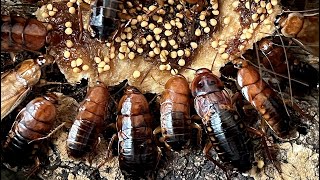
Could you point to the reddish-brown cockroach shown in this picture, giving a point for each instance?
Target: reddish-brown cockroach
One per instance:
(265, 100)
(138, 152)
(83, 135)
(18, 34)
(223, 125)
(33, 123)
(276, 60)
(175, 118)
(303, 29)
(16, 84)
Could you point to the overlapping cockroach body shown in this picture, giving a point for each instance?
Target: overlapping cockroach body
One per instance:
(89, 123)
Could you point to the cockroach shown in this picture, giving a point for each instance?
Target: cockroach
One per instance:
(138, 152)
(303, 29)
(275, 59)
(103, 19)
(83, 135)
(223, 125)
(18, 34)
(175, 118)
(33, 123)
(265, 100)
(17, 83)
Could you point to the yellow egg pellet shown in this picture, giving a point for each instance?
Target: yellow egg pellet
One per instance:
(136, 74)
(66, 54)
(85, 67)
(68, 31)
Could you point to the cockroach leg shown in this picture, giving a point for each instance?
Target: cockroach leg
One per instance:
(109, 151)
(199, 132)
(206, 151)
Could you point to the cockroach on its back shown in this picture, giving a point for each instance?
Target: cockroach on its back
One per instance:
(226, 133)
(16, 84)
(175, 118)
(33, 123)
(138, 152)
(83, 135)
(18, 34)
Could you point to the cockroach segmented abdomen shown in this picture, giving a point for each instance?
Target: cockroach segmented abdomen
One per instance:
(230, 139)
(18, 34)
(265, 100)
(175, 113)
(83, 135)
(138, 153)
(226, 132)
(34, 122)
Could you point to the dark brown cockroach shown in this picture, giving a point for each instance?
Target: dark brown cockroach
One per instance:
(33, 123)
(265, 100)
(303, 29)
(18, 34)
(15, 84)
(276, 60)
(138, 152)
(83, 135)
(175, 118)
(223, 125)
(103, 19)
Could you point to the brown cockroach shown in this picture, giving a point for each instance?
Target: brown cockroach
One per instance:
(303, 29)
(33, 123)
(83, 135)
(223, 125)
(265, 100)
(16, 84)
(138, 152)
(276, 60)
(175, 118)
(18, 34)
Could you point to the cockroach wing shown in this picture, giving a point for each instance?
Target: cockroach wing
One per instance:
(9, 103)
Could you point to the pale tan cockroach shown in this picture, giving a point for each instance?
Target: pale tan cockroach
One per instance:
(17, 83)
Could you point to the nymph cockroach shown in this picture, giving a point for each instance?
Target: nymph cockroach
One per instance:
(83, 135)
(138, 152)
(33, 123)
(175, 118)
(223, 125)
(265, 100)
(15, 84)
(18, 34)
(275, 59)
(103, 19)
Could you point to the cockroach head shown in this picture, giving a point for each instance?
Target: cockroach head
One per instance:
(179, 84)
(205, 82)
(265, 45)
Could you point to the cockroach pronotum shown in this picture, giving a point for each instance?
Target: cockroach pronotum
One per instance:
(16, 84)
(303, 29)
(175, 118)
(223, 125)
(18, 34)
(275, 59)
(265, 100)
(138, 152)
(83, 135)
(33, 123)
